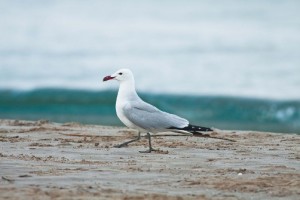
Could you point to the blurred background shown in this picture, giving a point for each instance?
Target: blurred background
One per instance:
(227, 64)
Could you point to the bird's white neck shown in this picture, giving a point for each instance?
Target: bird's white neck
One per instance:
(127, 91)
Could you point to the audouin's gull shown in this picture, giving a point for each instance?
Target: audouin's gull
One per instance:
(137, 114)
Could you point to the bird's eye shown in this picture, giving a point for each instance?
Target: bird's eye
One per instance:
(120, 73)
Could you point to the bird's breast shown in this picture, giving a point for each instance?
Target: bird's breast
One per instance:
(122, 117)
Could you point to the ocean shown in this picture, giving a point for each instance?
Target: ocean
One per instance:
(227, 64)
(98, 107)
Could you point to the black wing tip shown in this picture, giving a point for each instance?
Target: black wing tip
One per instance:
(198, 128)
(193, 128)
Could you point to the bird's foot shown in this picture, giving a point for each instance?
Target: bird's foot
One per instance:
(149, 150)
(121, 145)
(150, 146)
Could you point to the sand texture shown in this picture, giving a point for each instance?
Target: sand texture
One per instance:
(43, 160)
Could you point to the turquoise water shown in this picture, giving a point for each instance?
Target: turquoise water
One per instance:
(98, 107)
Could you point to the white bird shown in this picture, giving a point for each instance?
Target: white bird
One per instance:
(137, 114)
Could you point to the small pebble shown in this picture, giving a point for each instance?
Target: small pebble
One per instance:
(240, 174)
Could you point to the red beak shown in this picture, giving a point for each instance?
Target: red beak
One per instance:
(106, 78)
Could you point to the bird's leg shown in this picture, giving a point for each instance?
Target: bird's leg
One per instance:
(150, 146)
(130, 141)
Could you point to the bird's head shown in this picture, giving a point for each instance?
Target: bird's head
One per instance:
(120, 75)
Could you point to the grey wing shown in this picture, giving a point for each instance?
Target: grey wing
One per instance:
(149, 117)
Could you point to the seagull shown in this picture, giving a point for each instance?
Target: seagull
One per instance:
(138, 114)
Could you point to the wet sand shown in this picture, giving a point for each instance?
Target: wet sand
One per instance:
(43, 160)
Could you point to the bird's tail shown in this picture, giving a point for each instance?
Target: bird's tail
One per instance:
(195, 130)
(198, 132)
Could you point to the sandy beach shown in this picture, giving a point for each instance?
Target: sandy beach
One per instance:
(45, 160)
